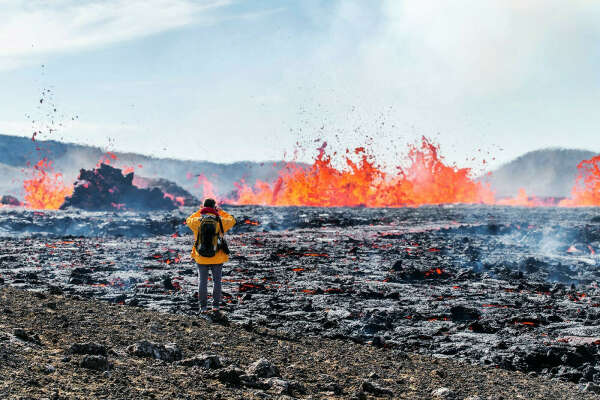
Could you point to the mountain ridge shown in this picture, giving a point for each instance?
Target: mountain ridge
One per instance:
(547, 172)
(70, 158)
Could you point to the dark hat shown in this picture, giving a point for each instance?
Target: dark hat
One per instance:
(210, 203)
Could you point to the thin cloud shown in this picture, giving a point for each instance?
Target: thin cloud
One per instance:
(482, 48)
(33, 29)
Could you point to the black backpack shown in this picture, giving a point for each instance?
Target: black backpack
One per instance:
(207, 242)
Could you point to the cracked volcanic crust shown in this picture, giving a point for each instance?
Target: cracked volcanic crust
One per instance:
(47, 369)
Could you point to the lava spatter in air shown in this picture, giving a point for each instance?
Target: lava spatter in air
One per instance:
(45, 189)
(208, 189)
(112, 159)
(426, 180)
(586, 191)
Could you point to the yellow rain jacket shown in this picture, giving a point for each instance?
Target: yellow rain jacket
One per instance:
(193, 222)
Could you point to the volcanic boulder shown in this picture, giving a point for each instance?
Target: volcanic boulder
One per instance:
(169, 352)
(207, 361)
(99, 363)
(375, 389)
(8, 200)
(263, 368)
(106, 188)
(27, 336)
(88, 348)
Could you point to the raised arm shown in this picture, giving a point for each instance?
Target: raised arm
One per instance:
(227, 219)
(193, 221)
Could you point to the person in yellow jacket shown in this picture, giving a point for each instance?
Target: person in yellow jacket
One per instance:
(215, 263)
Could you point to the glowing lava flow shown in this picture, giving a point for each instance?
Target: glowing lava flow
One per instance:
(46, 189)
(524, 200)
(427, 180)
(586, 191)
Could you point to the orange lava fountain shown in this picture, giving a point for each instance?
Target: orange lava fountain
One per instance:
(586, 191)
(208, 189)
(427, 180)
(46, 189)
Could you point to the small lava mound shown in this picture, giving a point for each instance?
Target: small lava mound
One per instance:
(106, 188)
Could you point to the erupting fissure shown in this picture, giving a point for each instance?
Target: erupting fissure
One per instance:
(426, 180)
(46, 189)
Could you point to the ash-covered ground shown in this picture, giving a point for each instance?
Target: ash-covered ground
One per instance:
(510, 287)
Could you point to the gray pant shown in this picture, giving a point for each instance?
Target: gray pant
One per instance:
(216, 270)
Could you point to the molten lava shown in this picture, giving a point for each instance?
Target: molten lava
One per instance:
(208, 189)
(111, 158)
(586, 191)
(427, 180)
(179, 200)
(46, 189)
(523, 200)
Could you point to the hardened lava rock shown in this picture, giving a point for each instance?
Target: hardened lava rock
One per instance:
(506, 287)
(106, 188)
(169, 352)
(88, 348)
(8, 200)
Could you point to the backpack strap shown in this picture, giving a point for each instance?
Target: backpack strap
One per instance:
(221, 225)
(224, 246)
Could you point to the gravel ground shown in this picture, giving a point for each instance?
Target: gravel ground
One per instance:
(58, 347)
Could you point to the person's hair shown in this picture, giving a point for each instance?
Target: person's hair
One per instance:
(210, 203)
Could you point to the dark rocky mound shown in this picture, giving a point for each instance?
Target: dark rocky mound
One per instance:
(8, 200)
(169, 188)
(106, 188)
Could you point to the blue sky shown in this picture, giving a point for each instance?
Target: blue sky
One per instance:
(226, 80)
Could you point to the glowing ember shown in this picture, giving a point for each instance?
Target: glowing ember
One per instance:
(529, 323)
(111, 159)
(427, 180)
(433, 272)
(179, 200)
(46, 189)
(586, 191)
(107, 159)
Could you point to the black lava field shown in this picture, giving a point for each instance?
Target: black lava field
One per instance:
(509, 287)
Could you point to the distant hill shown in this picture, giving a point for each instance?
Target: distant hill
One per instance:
(544, 173)
(69, 158)
(11, 179)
